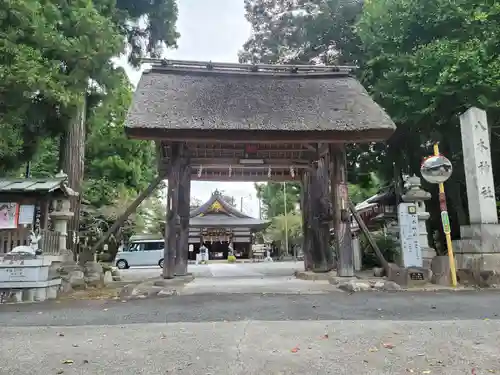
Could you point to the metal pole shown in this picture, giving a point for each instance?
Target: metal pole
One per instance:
(445, 220)
(286, 217)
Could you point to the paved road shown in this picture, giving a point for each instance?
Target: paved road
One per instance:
(424, 306)
(217, 327)
(238, 270)
(445, 333)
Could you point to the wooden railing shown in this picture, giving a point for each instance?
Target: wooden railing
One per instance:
(10, 238)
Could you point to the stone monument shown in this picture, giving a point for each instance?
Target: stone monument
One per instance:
(478, 251)
(416, 195)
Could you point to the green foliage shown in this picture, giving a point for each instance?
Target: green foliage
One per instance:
(425, 62)
(387, 245)
(273, 199)
(49, 52)
(277, 231)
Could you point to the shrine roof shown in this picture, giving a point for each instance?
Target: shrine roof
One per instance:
(217, 212)
(227, 221)
(173, 100)
(35, 185)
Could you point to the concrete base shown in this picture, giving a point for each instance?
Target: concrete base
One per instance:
(17, 292)
(441, 273)
(482, 270)
(409, 277)
(478, 238)
(428, 254)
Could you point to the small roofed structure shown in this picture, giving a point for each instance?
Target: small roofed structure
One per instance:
(26, 205)
(238, 122)
(218, 225)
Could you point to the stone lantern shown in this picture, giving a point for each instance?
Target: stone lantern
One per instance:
(61, 216)
(415, 194)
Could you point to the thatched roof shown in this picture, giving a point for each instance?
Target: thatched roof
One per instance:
(173, 101)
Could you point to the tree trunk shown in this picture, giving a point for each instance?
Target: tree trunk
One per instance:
(72, 162)
(181, 260)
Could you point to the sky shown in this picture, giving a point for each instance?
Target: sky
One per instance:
(212, 30)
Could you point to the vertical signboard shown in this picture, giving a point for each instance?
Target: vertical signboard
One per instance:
(408, 235)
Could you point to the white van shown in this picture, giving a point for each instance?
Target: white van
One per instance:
(142, 250)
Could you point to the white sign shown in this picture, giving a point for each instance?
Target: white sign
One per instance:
(26, 214)
(408, 235)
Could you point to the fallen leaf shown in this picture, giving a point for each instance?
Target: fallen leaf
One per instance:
(426, 372)
(295, 350)
(373, 350)
(68, 362)
(85, 361)
(491, 371)
(104, 309)
(75, 345)
(325, 336)
(410, 370)
(388, 345)
(60, 372)
(60, 334)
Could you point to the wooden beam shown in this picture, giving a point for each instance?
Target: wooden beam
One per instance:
(181, 259)
(369, 237)
(225, 162)
(257, 136)
(340, 199)
(245, 178)
(305, 202)
(130, 209)
(172, 215)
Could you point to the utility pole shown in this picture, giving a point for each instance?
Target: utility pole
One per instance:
(260, 209)
(241, 204)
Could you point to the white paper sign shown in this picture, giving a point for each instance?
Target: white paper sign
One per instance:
(408, 235)
(26, 214)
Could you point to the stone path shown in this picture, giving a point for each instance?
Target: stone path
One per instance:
(221, 270)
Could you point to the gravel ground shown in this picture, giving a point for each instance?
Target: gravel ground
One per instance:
(424, 306)
(370, 347)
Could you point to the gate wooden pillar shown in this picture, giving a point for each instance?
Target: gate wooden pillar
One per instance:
(316, 216)
(172, 215)
(181, 259)
(305, 207)
(341, 217)
(320, 218)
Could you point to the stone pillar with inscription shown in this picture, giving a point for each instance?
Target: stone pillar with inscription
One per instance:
(478, 251)
(416, 195)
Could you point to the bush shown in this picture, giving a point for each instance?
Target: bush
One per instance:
(231, 259)
(387, 245)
